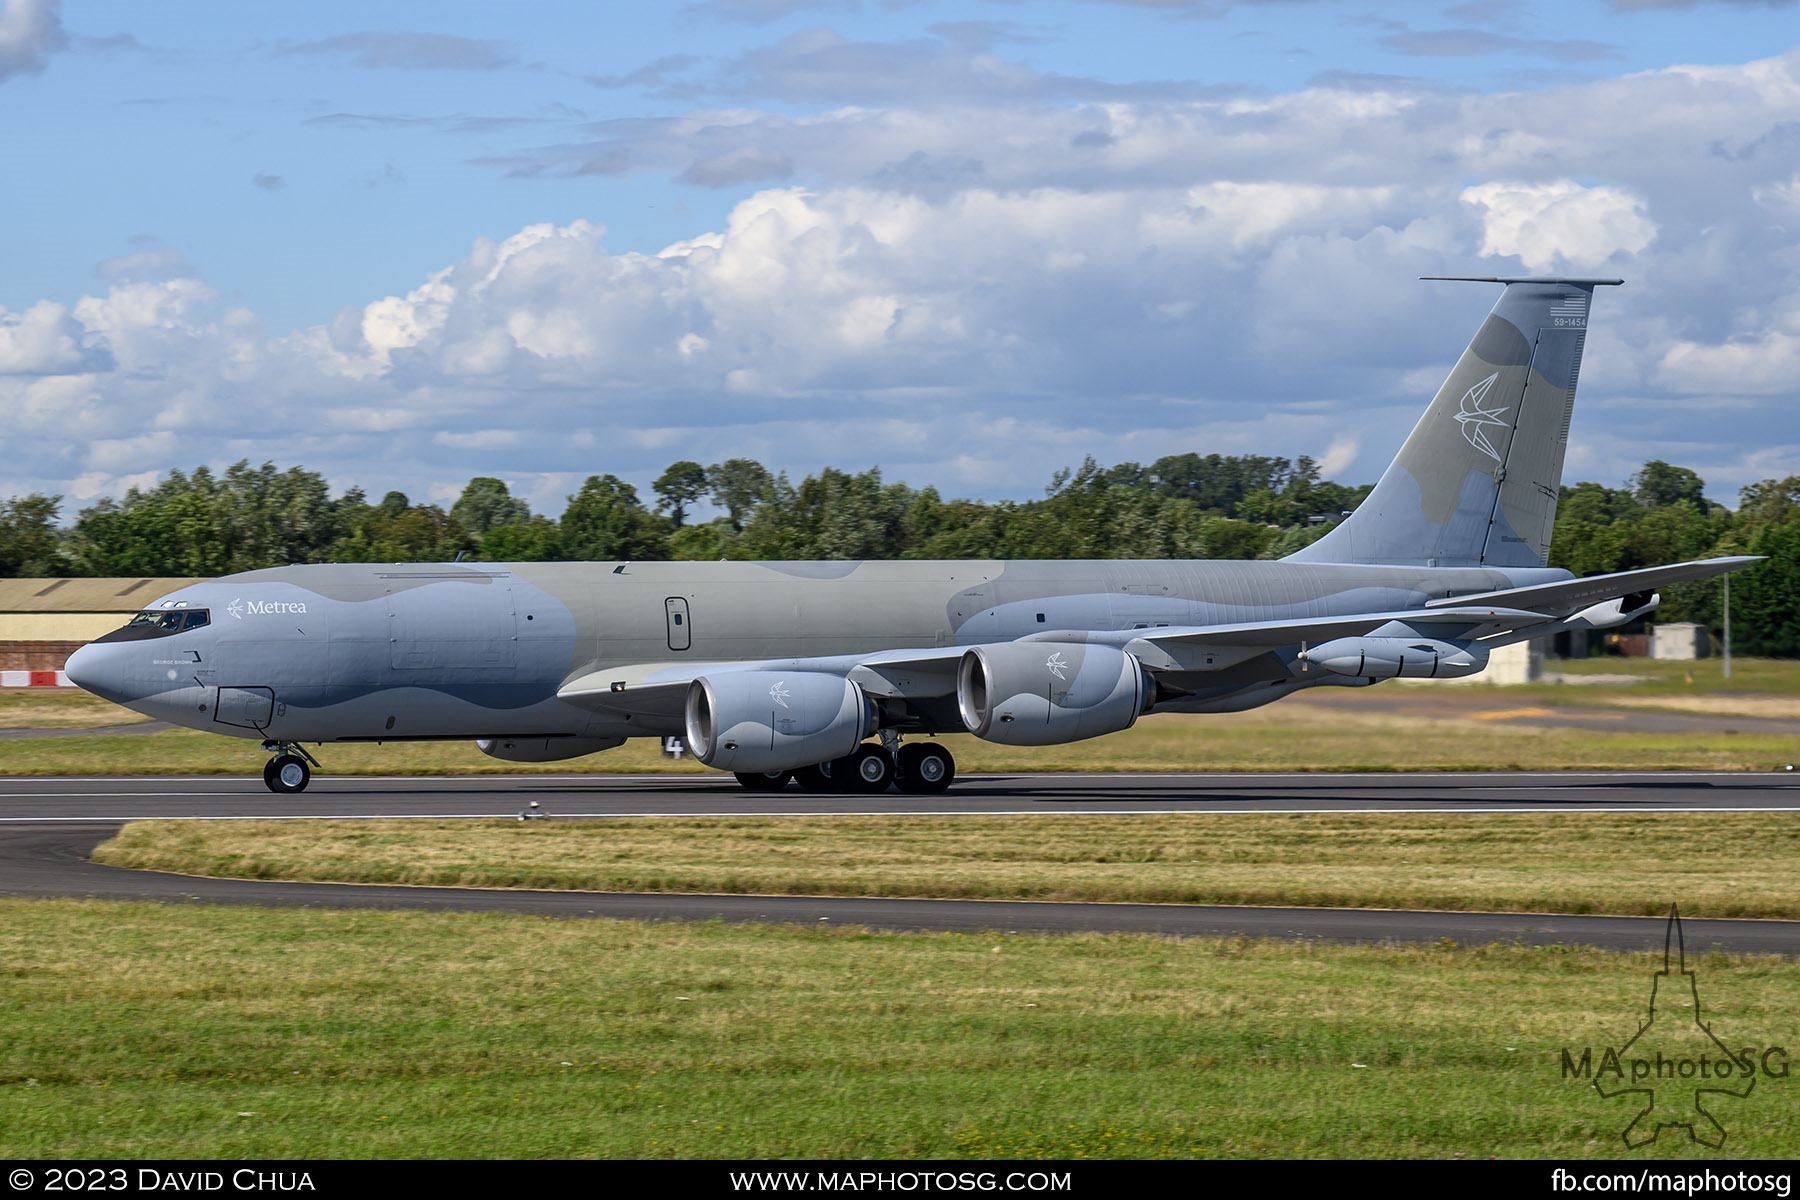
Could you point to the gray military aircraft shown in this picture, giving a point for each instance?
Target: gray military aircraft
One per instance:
(815, 671)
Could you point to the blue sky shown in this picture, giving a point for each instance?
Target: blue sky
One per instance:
(969, 243)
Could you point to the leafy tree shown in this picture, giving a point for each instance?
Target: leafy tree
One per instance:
(738, 486)
(487, 503)
(28, 538)
(273, 518)
(178, 527)
(605, 521)
(534, 540)
(1765, 598)
(403, 533)
(1765, 618)
(1224, 537)
(933, 528)
(830, 515)
(702, 543)
(678, 488)
(1590, 536)
(1217, 483)
(1771, 502)
(1267, 508)
(1658, 485)
(202, 524)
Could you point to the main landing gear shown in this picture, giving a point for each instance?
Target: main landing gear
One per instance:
(919, 768)
(291, 768)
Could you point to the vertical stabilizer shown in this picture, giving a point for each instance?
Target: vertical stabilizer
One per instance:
(1476, 482)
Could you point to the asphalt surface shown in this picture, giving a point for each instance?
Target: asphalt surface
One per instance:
(49, 826)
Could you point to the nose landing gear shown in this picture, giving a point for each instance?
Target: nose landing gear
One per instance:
(291, 768)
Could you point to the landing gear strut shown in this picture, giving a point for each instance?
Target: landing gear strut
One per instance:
(918, 768)
(291, 768)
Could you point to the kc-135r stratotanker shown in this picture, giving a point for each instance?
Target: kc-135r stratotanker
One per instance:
(816, 670)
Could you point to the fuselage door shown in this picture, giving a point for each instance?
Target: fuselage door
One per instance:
(675, 613)
(245, 707)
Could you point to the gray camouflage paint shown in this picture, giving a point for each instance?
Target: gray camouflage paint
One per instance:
(582, 655)
(333, 653)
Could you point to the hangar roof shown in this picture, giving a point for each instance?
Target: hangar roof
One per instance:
(84, 595)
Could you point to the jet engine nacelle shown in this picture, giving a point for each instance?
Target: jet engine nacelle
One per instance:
(1047, 693)
(757, 721)
(1398, 658)
(544, 749)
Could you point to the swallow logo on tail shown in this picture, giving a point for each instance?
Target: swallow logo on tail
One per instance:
(1476, 419)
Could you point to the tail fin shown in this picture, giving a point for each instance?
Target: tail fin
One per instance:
(1476, 482)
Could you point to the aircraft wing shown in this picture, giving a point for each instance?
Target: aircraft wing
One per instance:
(1572, 594)
(1216, 647)
(658, 691)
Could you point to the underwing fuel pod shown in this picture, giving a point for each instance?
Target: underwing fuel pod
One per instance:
(842, 675)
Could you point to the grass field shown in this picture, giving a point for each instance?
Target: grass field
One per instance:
(1660, 677)
(177, 1031)
(1715, 865)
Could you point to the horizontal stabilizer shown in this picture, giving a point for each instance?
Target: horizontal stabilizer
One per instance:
(1572, 594)
(1545, 279)
(1285, 633)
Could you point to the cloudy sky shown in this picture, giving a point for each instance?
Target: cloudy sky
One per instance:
(404, 244)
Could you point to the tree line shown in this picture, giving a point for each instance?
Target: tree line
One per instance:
(203, 523)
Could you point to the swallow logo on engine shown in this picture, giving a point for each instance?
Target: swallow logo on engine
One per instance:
(1057, 666)
(779, 693)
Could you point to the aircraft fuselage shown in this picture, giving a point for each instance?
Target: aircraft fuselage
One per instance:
(472, 651)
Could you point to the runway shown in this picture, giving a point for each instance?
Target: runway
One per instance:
(49, 825)
(600, 796)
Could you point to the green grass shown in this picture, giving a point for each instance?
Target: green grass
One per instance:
(43, 709)
(1715, 864)
(134, 1030)
(1752, 676)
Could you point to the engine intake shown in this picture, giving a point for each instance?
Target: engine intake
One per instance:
(1047, 693)
(756, 721)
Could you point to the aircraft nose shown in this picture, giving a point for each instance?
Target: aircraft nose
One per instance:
(98, 669)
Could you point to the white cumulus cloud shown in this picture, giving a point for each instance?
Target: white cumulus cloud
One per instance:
(1559, 224)
(973, 296)
(43, 340)
(30, 32)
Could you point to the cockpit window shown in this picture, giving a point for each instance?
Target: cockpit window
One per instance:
(169, 620)
(159, 622)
